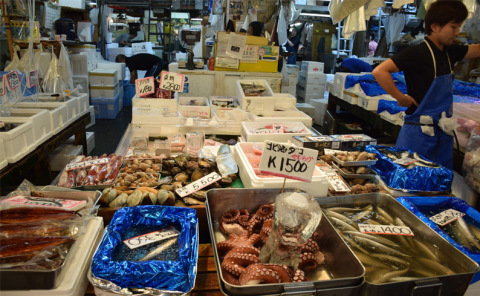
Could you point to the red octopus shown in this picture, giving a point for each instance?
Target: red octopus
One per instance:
(235, 241)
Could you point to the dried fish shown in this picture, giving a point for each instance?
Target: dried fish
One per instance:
(159, 250)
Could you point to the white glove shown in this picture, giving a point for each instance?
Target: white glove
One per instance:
(426, 129)
(448, 125)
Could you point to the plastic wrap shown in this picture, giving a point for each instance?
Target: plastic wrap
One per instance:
(463, 88)
(465, 99)
(418, 178)
(65, 68)
(178, 275)
(471, 161)
(414, 204)
(391, 107)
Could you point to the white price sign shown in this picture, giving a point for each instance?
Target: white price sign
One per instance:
(288, 161)
(2, 86)
(199, 184)
(33, 79)
(13, 81)
(386, 229)
(172, 81)
(446, 217)
(152, 237)
(144, 86)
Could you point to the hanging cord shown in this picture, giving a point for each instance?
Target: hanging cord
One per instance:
(456, 140)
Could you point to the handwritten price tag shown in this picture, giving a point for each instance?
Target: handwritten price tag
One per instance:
(13, 81)
(172, 81)
(386, 229)
(199, 184)
(144, 86)
(288, 161)
(2, 86)
(446, 217)
(33, 79)
(152, 237)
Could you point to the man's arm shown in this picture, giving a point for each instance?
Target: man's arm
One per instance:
(383, 75)
(473, 51)
(133, 76)
(124, 42)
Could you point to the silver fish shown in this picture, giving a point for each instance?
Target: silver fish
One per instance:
(365, 212)
(384, 214)
(462, 226)
(406, 241)
(353, 244)
(370, 260)
(345, 219)
(376, 238)
(434, 265)
(424, 250)
(403, 278)
(340, 224)
(475, 231)
(392, 259)
(373, 245)
(159, 250)
(383, 277)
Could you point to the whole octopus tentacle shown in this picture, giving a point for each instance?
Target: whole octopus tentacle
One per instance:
(299, 276)
(244, 220)
(230, 216)
(244, 212)
(255, 225)
(264, 273)
(265, 212)
(308, 261)
(266, 227)
(310, 246)
(229, 228)
(235, 263)
(235, 241)
(229, 278)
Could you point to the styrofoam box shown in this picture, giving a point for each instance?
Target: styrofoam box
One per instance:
(284, 102)
(187, 108)
(371, 103)
(83, 82)
(79, 4)
(104, 91)
(142, 115)
(19, 141)
(318, 187)
(82, 63)
(307, 108)
(106, 108)
(340, 79)
(62, 155)
(78, 48)
(142, 47)
(309, 66)
(293, 69)
(3, 160)
(103, 77)
(350, 98)
(90, 141)
(320, 110)
(312, 89)
(74, 281)
(58, 112)
(329, 86)
(284, 116)
(164, 105)
(292, 90)
(120, 67)
(91, 109)
(306, 98)
(232, 125)
(83, 102)
(247, 134)
(312, 77)
(266, 102)
(113, 52)
(40, 119)
(73, 107)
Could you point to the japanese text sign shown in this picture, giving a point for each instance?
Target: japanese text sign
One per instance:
(172, 81)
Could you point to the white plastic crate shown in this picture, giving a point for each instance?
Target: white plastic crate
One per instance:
(120, 67)
(194, 107)
(104, 91)
(58, 112)
(3, 159)
(165, 105)
(251, 132)
(320, 110)
(266, 102)
(103, 77)
(40, 119)
(307, 108)
(284, 102)
(283, 116)
(72, 104)
(19, 141)
(312, 77)
(83, 102)
(318, 187)
(312, 89)
(309, 66)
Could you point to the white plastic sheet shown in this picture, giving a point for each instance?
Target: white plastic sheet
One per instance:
(340, 9)
(399, 3)
(394, 25)
(64, 67)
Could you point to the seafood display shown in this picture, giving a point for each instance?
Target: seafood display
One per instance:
(360, 185)
(407, 159)
(240, 252)
(253, 90)
(139, 179)
(354, 156)
(278, 129)
(145, 163)
(387, 258)
(356, 170)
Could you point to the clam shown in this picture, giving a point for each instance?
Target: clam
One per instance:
(200, 195)
(165, 181)
(216, 185)
(144, 166)
(170, 199)
(177, 185)
(150, 199)
(181, 177)
(234, 177)
(192, 201)
(175, 170)
(167, 187)
(198, 174)
(192, 165)
(165, 173)
(180, 203)
(181, 161)
(225, 181)
(203, 163)
(162, 196)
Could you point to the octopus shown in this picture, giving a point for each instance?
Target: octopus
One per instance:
(270, 274)
(235, 241)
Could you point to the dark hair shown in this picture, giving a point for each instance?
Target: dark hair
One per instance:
(230, 26)
(257, 28)
(242, 30)
(120, 58)
(372, 36)
(444, 11)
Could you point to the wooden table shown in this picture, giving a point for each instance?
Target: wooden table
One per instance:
(207, 280)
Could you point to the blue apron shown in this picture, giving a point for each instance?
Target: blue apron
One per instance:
(439, 98)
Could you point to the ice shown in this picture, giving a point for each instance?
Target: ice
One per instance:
(225, 162)
(296, 217)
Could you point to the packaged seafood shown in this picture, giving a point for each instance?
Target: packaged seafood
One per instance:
(280, 132)
(340, 275)
(452, 218)
(161, 241)
(255, 95)
(401, 254)
(317, 142)
(354, 141)
(406, 171)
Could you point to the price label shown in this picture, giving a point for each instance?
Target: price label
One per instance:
(82, 164)
(172, 81)
(33, 79)
(199, 184)
(405, 161)
(386, 229)
(446, 217)
(152, 237)
(144, 86)
(337, 183)
(13, 81)
(288, 161)
(2, 86)
(266, 131)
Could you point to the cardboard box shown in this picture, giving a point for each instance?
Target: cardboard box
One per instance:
(319, 143)
(103, 77)
(354, 141)
(314, 67)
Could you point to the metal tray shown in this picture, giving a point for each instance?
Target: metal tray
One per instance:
(406, 192)
(353, 176)
(343, 275)
(353, 163)
(450, 285)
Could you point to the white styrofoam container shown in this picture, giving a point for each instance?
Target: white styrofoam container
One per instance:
(62, 155)
(368, 103)
(83, 82)
(82, 63)
(91, 110)
(40, 119)
(248, 131)
(340, 79)
(320, 110)
(247, 103)
(312, 77)
(307, 98)
(90, 141)
(312, 89)
(142, 115)
(165, 105)
(142, 47)
(307, 108)
(104, 91)
(329, 86)
(291, 89)
(120, 67)
(284, 102)
(74, 280)
(283, 116)
(79, 4)
(103, 77)
(58, 112)
(19, 141)
(309, 66)
(194, 107)
(318, 187)
(83, 102)
(3, 159)
(350, 98)
(233, 126)
(396, 118)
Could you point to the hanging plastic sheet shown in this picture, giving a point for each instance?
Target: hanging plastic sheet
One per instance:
(371, 8)
(65, 68)
(116, 263)
(340, 9)
(399, 177)
(419, 205)
(391, 107)
(394, 25)
(355, 22)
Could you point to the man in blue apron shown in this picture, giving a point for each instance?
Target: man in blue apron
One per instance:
(429, 77)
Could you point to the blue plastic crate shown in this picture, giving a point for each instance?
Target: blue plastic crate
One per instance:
(129, 93)
(106, 108)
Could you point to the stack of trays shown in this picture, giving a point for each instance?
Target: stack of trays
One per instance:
(59, 115)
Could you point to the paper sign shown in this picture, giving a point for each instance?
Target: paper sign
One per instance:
(199, 184)
(2, 86)
(288, 161)
(386, 229)
(33, 79)
(82, 164)
(144, 86)
(250, 54)
(236, 45)
(44, 202)
(446, 217)
(152, 237)
(172, 81)
(13, 81)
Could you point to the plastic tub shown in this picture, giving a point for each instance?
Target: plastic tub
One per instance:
(284, 116)
(249, 136)
(58, 112)
(40, 119)
(3, 160)
(19, 141)
(249, 103)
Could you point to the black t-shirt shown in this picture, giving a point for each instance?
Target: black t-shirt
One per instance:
(142, 61)
(417, 65)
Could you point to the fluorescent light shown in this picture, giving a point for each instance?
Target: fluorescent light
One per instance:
(315, 14)
(196, 19)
